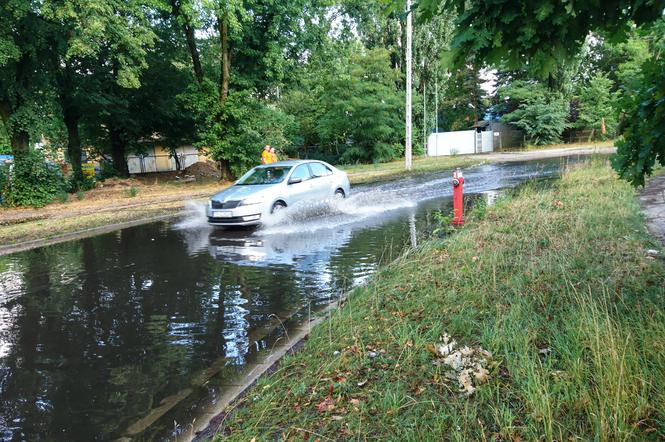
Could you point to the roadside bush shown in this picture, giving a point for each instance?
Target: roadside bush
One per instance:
(131, 192)
(31, 181)
(77, 183)
(107, 171)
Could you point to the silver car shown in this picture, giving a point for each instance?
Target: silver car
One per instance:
(269, 188)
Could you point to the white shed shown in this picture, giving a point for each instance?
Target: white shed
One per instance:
(459, 142)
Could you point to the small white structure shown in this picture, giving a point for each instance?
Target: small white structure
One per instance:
(159, 159)
(459, 143)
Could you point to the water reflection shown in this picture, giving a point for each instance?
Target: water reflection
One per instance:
(122, 334)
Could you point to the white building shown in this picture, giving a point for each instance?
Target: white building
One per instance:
(460, 142)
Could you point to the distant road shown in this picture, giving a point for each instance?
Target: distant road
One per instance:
(499, 157)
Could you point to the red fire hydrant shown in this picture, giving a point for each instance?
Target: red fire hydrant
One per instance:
(458, 197)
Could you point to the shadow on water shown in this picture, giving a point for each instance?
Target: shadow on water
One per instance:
(134, 333)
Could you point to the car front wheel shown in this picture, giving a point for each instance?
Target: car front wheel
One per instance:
(279, 205)
(339, 193)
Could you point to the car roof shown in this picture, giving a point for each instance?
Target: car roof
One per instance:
(290, 163)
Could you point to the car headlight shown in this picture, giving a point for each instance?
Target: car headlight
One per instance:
(251, 201)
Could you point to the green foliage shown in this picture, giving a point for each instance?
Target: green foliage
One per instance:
(131, 192)
(444, 224)
(62, 197)
(237, 132)
(540, 113)
(349, 109)
(363, 117)
(598, 104)
(543, 32)
(31, 181)
(5, 147)
(81, 182)
(643, 144)
(107, 171)
(461, 99)
(620, 62)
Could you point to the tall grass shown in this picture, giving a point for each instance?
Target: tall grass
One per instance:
(554, 282)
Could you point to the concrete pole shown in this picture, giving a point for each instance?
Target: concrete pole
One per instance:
(425, 116)
(409, 31)
(436, 111)
(436, 101)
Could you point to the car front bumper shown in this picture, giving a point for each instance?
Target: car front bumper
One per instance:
(239, 216)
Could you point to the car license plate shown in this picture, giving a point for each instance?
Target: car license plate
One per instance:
(222, 214)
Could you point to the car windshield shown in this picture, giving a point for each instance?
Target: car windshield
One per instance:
(264, 175)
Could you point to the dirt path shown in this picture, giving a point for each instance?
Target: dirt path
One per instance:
(652, 199)
(111, 208)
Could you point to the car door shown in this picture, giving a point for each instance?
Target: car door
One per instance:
(300, 184)
(322, 179)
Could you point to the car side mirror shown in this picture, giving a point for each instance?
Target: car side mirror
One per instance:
(295, 180)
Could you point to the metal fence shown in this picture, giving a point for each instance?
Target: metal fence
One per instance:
(159, 163)
(509, 139)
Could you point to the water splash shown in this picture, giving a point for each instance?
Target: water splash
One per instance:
(193, 216)
(334, 212)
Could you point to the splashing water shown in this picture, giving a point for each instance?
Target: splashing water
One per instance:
(194, 216)
(334, 212)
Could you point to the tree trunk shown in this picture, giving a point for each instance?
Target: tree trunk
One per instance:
(191, 40)
(118, 152)
(194, 52)
(222, 23)
(73, 141)
(225, 170)
(176, 158)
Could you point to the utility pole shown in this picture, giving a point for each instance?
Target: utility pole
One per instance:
(436, 112)
(409, 37)
(425, 115)
(436, 101)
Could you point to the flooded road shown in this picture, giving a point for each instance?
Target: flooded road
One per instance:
(130, 335)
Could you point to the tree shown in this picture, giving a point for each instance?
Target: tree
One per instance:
(598, 107)
(462, 98)
(26, 88)
(643, 144)
(540, 113)
(242, 125)
(363, 118)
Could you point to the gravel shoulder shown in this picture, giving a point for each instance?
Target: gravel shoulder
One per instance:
(652, 199)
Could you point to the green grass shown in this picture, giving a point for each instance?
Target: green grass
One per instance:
(365, 173)
(554, 282)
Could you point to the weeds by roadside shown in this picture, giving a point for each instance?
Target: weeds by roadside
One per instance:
(554, 283)
(131, 192)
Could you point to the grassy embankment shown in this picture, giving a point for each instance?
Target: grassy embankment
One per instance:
(554, 282)
(366, 173)
(593, 143)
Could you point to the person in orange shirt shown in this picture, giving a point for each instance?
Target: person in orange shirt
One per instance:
(273, 155)
(266, 156)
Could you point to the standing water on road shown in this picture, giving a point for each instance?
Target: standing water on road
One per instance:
(131, 335)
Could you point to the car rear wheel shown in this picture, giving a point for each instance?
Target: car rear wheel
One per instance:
(279, 205)
(339, 193)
